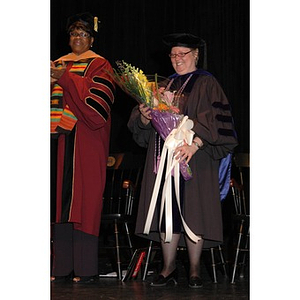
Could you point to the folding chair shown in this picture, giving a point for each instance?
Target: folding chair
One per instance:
(241, 216)
(118, 201)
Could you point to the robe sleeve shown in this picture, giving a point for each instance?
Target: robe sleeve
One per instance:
(213, 122)
(90, 97)
(140, 132)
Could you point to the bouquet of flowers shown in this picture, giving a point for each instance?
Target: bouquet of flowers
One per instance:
(155, 92)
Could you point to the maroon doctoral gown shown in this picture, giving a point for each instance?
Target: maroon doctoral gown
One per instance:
(83, 152)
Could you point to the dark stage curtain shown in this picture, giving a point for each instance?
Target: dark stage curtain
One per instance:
(132, 30)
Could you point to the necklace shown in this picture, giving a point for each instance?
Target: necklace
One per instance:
(178, 94)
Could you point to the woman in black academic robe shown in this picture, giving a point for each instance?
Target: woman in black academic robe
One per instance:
(205, 103)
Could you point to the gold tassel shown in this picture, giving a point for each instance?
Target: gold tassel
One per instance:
(96, 24)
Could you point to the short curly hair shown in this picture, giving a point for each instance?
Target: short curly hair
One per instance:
(83, 21)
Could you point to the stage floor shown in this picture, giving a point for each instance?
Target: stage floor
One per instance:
(112, 288)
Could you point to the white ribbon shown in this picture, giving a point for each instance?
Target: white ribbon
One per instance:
(176, 138)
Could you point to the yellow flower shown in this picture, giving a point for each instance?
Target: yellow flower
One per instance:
(133, 81)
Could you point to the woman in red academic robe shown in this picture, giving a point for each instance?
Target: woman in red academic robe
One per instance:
(81, 100)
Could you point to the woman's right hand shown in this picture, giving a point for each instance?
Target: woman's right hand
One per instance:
(56, 73)
(145, 114)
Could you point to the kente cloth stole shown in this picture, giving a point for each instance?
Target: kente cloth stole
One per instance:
(61, 117)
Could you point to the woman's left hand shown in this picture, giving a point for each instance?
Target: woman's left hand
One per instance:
(185, 152)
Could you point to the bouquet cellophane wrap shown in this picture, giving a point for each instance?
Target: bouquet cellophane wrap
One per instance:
(164, 123)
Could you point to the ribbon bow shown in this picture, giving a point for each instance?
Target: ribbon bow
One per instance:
(177, 137)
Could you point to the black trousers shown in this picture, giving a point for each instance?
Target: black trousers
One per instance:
(74, 251)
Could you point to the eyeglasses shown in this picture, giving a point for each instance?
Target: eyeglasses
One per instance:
(81, 34)
(179, 54)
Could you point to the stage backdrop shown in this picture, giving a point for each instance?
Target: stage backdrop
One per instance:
(132, 30)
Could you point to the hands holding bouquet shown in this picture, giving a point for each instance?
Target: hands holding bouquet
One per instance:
(145, 114)
(182, 153)
(157, 104)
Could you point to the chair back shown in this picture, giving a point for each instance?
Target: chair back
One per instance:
(120, 192)
(241, 161)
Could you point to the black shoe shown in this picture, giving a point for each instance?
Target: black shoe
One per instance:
(195, 282)
(160, 280)
(59, 279)
(85, 279)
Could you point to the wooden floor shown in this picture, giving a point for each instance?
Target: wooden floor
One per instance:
(112, 288)
(137, 289)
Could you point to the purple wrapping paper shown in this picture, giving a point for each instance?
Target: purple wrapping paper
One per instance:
(164, 123)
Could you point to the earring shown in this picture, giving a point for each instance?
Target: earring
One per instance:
(91, 46)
